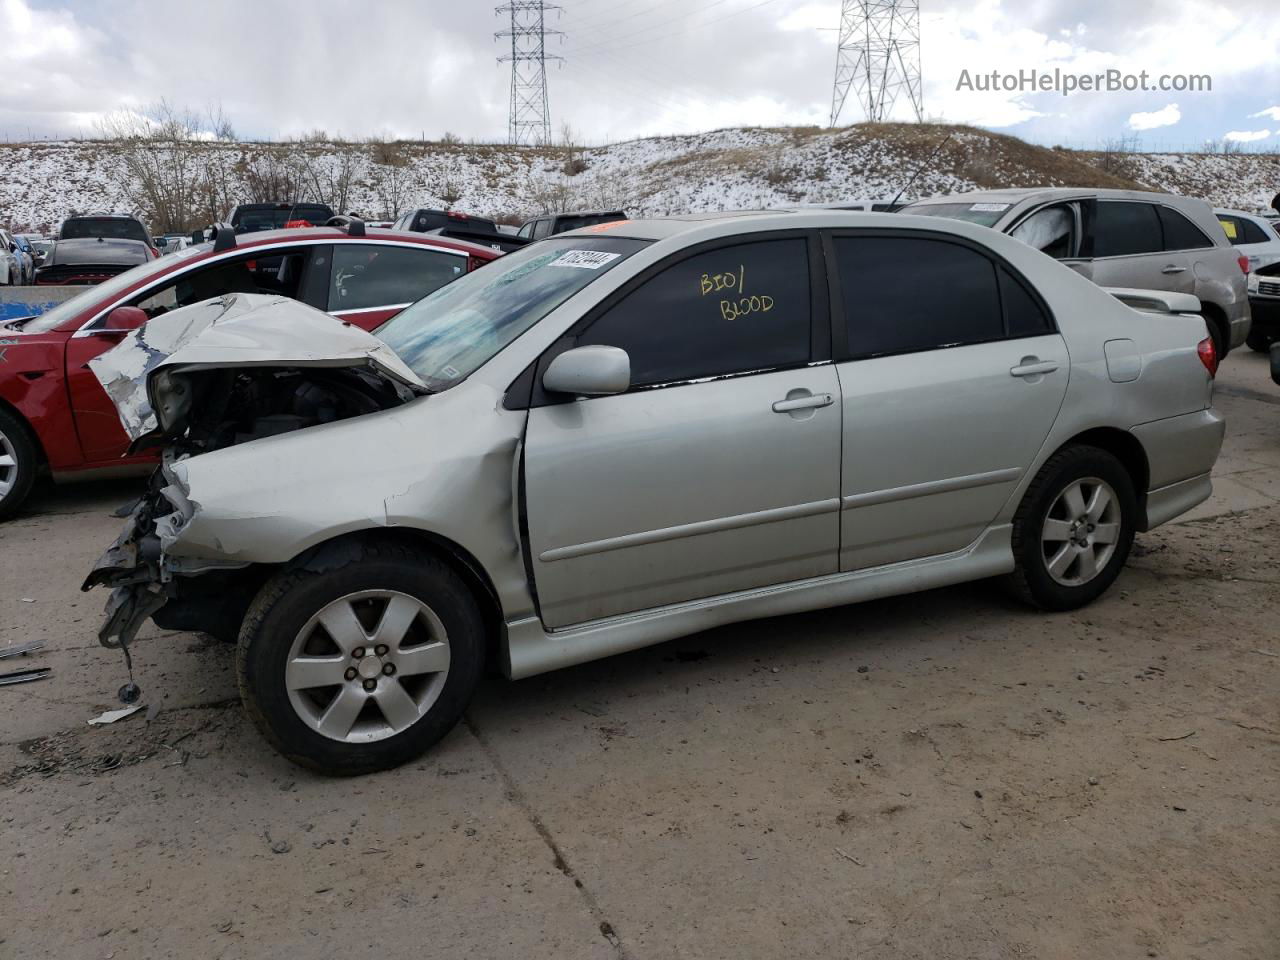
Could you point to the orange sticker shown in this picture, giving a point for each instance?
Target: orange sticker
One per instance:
(602, 227)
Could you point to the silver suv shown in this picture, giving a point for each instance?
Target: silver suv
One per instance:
(1121, 238)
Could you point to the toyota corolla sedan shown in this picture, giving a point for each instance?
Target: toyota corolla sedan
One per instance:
(633, 432)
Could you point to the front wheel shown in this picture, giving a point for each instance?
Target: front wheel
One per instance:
(1074, 528)
(18, 464)
(362, 667)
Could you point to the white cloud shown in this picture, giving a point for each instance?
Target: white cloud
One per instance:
(1272, 112)
(1246, 136)
(1164, 117)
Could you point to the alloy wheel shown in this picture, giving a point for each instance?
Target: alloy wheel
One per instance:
(8, 466)
(1081, 531)
(367, 666)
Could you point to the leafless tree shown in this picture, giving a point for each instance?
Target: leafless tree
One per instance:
(161, 170)
(329, 171)
(393, 177)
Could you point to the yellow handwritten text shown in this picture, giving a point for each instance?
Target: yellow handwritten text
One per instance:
(716, 282)
(733, 309)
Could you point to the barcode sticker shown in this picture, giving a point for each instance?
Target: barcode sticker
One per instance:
(584, 259)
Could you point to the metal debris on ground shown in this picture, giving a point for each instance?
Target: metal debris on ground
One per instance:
(24, 676)
(111, 716)
(18, 649)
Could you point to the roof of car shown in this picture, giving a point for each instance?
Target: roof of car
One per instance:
(1012, 195)
(294, 234)
(716, 223)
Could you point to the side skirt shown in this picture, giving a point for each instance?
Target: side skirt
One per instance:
(532, 650)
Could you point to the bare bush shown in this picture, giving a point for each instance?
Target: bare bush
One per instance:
(329, 174)
(162, 171)
(1224, 146)
(393, 177)
(1115, 155)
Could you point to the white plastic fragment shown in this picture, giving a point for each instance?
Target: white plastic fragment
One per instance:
(111, 716)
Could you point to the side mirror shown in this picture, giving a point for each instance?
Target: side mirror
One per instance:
(125, 318)
(594, 371)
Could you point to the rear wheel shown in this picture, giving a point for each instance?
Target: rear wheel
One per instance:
(18, 463)
(362, 667)
(1074, 528)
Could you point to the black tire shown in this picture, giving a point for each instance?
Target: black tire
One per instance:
(1031, 579)
(1221, 340)
(16, 442)
(288, 601)
(1259, 342)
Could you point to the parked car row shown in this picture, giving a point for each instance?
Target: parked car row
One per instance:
(617, 434)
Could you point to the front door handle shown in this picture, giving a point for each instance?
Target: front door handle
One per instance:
(1174, 268)
(804, 403)
(1033, 367)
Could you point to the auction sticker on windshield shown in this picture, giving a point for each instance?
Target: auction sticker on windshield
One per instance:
(584, 259)
(989, 207)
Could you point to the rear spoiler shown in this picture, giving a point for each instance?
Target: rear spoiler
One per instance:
(505, 242)
(1155, 301)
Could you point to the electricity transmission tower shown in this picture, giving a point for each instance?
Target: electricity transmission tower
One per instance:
(529, 121)
(878, 57)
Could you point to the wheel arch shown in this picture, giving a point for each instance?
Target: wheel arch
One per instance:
(1219, 326)
(1126, 448)
(345, 547)
(32, 434)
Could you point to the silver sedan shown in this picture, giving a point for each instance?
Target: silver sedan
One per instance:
(633, 432)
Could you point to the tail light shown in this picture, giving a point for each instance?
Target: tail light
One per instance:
(1208, 355)
(475, 263)
(1244, 264)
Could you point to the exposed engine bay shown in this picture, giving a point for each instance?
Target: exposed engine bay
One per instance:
(223, 372)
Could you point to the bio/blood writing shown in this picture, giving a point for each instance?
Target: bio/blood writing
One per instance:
(744, 304)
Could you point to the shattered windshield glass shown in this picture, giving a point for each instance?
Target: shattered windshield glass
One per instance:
(451, 333)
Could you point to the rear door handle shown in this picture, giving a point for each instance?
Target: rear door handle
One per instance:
(1174, 268)
(804, 403)
(1033, 368)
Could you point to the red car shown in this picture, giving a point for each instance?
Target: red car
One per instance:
(55, 416)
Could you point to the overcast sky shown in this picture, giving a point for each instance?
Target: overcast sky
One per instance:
(631, 67)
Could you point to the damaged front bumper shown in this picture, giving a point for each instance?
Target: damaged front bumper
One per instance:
(140, 567)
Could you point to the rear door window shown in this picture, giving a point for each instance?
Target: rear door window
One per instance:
(735, 309)
(1251, 232)
(907, 294)
(1180, 233)
(542, 229)
(369, 275)
(1124, 228)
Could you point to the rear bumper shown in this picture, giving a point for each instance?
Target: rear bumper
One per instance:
(1181, 452)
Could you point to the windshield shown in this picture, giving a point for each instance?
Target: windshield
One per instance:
(251, 220)
(983, 214)
(116, 228)
(106, 290)
(452, 332)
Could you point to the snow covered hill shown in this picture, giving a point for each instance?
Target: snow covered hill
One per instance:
(724, 169)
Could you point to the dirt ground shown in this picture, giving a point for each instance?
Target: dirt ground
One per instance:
(947, 775)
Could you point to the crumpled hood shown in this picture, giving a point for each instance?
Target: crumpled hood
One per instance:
(236, 330)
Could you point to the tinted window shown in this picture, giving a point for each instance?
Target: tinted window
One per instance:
(541, 229)
(252, 220)
(120, 228)
(565, 224)
(1049, 230)
(729, 310)
(1252, 233)
(1180, 233)
(1023, 315)
(378, 275)
(903, 294)
(1123, 228)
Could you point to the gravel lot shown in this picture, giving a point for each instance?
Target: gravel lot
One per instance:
(946, 775)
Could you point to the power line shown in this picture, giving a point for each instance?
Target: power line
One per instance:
(529, 117)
